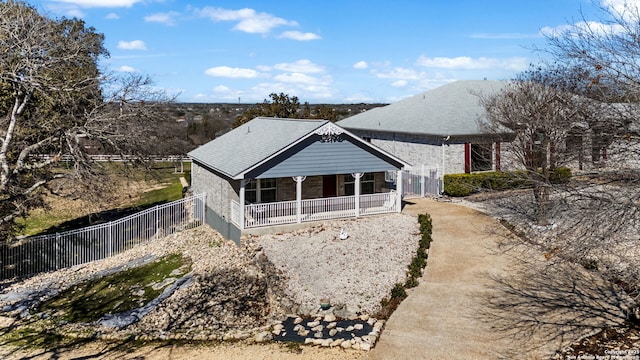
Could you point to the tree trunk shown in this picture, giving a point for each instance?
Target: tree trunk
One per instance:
(541, 194)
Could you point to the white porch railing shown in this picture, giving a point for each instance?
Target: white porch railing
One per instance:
(285, 212)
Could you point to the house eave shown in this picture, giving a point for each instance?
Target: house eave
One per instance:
(443, 137)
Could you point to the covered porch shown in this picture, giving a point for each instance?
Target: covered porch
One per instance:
(340, 204)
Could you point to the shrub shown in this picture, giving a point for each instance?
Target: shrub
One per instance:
(464, 184)
(398, 292)
(560, 175)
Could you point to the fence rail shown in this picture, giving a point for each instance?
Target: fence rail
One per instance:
(286, 212)
(56, 251)
(119, 158)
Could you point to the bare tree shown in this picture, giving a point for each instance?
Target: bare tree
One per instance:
(53, 100)
(541, 118)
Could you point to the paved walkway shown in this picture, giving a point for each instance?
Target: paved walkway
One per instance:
(447, 316)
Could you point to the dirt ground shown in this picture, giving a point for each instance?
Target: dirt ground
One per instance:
(187, 352)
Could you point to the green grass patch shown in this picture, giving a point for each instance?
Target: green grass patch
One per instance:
(40, 223)
(162, 176)
(116, 293)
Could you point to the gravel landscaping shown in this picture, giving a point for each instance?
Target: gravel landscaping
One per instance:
(240, 293)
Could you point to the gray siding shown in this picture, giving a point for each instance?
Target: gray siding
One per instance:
(324, 158)
(219, 192)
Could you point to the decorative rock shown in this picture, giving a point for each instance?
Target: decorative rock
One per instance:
(6, 321)
(371, 321)
(378, 325)
(298, 327)
(346, 344)
(317, 341)
(312, 324)
(364, 317)
(303, 332)
(336, 342)
(317, 328)
(276, 332)
(263, 336)
(340, 329)
(358, 327)
(369, 339)
(365, 346)
(278, 327)
(331, 325)
(326, 342)
(308, 341)
(355, 346)
(329, 318)
(332, 332)
(349, 328)
(297, 320)
(318, 335)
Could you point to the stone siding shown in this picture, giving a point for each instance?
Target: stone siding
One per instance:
(421, 153)
(219, 191)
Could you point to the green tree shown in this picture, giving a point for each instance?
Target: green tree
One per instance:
(281, 106)
(54, 100)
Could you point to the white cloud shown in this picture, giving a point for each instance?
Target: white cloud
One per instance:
(469, 63)
(360, 65)
(100, 3)
(112, 16)
(297, 35)
(619, 6)
(132, 45)
(590, 27)
(163, 18)
(248, 20)
(400, 83)
(399, 73)
(222, 89)
(303, 79)
(300, 66)
(229, 72)
(126, 68)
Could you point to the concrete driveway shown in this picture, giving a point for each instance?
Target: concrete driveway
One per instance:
(486, 296)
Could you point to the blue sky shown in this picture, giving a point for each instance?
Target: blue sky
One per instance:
(348, 51)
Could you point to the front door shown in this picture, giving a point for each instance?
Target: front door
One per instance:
(329, 186)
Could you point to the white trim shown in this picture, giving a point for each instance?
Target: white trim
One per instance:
(329, 125)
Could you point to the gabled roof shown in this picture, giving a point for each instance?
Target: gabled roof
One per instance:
(252, 144)
(450, 110)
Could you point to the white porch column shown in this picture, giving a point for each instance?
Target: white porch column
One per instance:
(299, 180)
(399, 191)
(243, 183)
(356, 189)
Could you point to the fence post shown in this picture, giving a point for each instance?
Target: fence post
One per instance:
(110, 241)
(57, 253)
(155, 211)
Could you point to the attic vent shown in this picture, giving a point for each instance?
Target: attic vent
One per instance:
(330, 133)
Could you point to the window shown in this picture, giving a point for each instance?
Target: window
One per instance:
(260, 191)
(367, 184)
(481, 157)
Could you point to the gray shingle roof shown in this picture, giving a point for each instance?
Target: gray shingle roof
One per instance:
(452, 109)
(252, 142)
